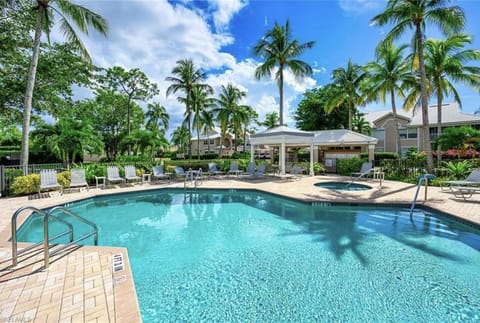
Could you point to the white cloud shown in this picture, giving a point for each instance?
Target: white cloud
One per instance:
(361, 6)
(224, 10)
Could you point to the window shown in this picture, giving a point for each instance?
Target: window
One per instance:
(403, 133)
(379, 134)
(433, 133)
(409, 133)
(205, 142)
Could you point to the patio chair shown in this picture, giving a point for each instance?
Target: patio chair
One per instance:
(131, 173)
(366, 169)
(113, 175)
(465, 192)
(472, 179)
(77, 178)
(234, 169)
(213, 170)
(250, 169)
(48, 180)
(159, 174)
(295, 173)
(260, 170)
(180, 172)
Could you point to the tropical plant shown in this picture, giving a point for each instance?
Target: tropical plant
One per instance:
(461, 138)
(281, 52)
(202, 103)
(271, 120)
(82, 18)
(157, 117)
(458, 170)
(415, 14)
(349, 80)
(444, 65)
(311, 113)
(207, 125)
(230, 113)
(360, 125)
(185, 78)
(181, 138)
(386, 75)
(133, 84)
(251, 118)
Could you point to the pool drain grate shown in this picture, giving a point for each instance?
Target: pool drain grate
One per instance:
(117, 264)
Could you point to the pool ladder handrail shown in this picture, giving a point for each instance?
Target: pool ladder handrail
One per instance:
(46, 238)
(195, 176)
(423, 178)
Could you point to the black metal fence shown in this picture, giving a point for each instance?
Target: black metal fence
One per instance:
(9, 173)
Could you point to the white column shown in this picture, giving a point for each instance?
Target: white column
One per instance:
(311, 161)
(371, 152)
(282, 158)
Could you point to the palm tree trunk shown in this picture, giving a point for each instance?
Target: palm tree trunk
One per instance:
(29, 91)
(439, 122)
(427, 147)
(198, 142)
(128, 124)
(397, 125)
(280, 89)
(350, 108)
(244, 139)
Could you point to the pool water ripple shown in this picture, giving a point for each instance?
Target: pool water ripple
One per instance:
(247, 256)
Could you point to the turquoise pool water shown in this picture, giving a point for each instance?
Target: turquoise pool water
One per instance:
(342, 186)
(244, 256)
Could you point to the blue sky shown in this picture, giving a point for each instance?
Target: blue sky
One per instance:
(219, 36)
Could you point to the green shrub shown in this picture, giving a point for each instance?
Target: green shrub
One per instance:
(347, 166)
(63, 179)
(24, 185)
(458, 170)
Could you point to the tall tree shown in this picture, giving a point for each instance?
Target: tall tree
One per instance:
(271, 120)
(350, 81)
(201, 104)
(387, 75)
(445, 65)
(69, 12)
(312, 115)
(251, 117)
(157, 116)
(415, 14)
(281, 52)
(134, 84)
(185, 78)
(181, 138)
(207, 125)
(229, 111)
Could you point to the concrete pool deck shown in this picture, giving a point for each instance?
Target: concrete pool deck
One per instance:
(81, 285)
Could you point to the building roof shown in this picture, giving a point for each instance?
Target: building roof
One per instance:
(282, 135)
(451, 115)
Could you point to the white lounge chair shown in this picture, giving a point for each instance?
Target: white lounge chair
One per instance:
(234, 169)
(465, 191)
(159, 174)
(213, 170)
(366, 169)
(295, 173)
(48, 180)
(77, 178)
(131, 174)
(260, 170)
(472, 179)
(180, 172)
(113, 175)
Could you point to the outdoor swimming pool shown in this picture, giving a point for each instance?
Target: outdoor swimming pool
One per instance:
(234, 255)
(342, 186)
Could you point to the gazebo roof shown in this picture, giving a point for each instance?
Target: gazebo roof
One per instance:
(341, 137)
(282, 134)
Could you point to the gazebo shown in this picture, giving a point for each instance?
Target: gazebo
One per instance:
(283, 137)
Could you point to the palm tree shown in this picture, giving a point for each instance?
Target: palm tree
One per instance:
(387, 76)
(281, 51)
(157, 117)
(181, 137)
(229, 111)
(349, 82)
(251, 117)
(201, 103)
(83, 19)
(271, 120)
(360, 125)
(444, 64)
(185, 78)
(207, 124)
(414, 14)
